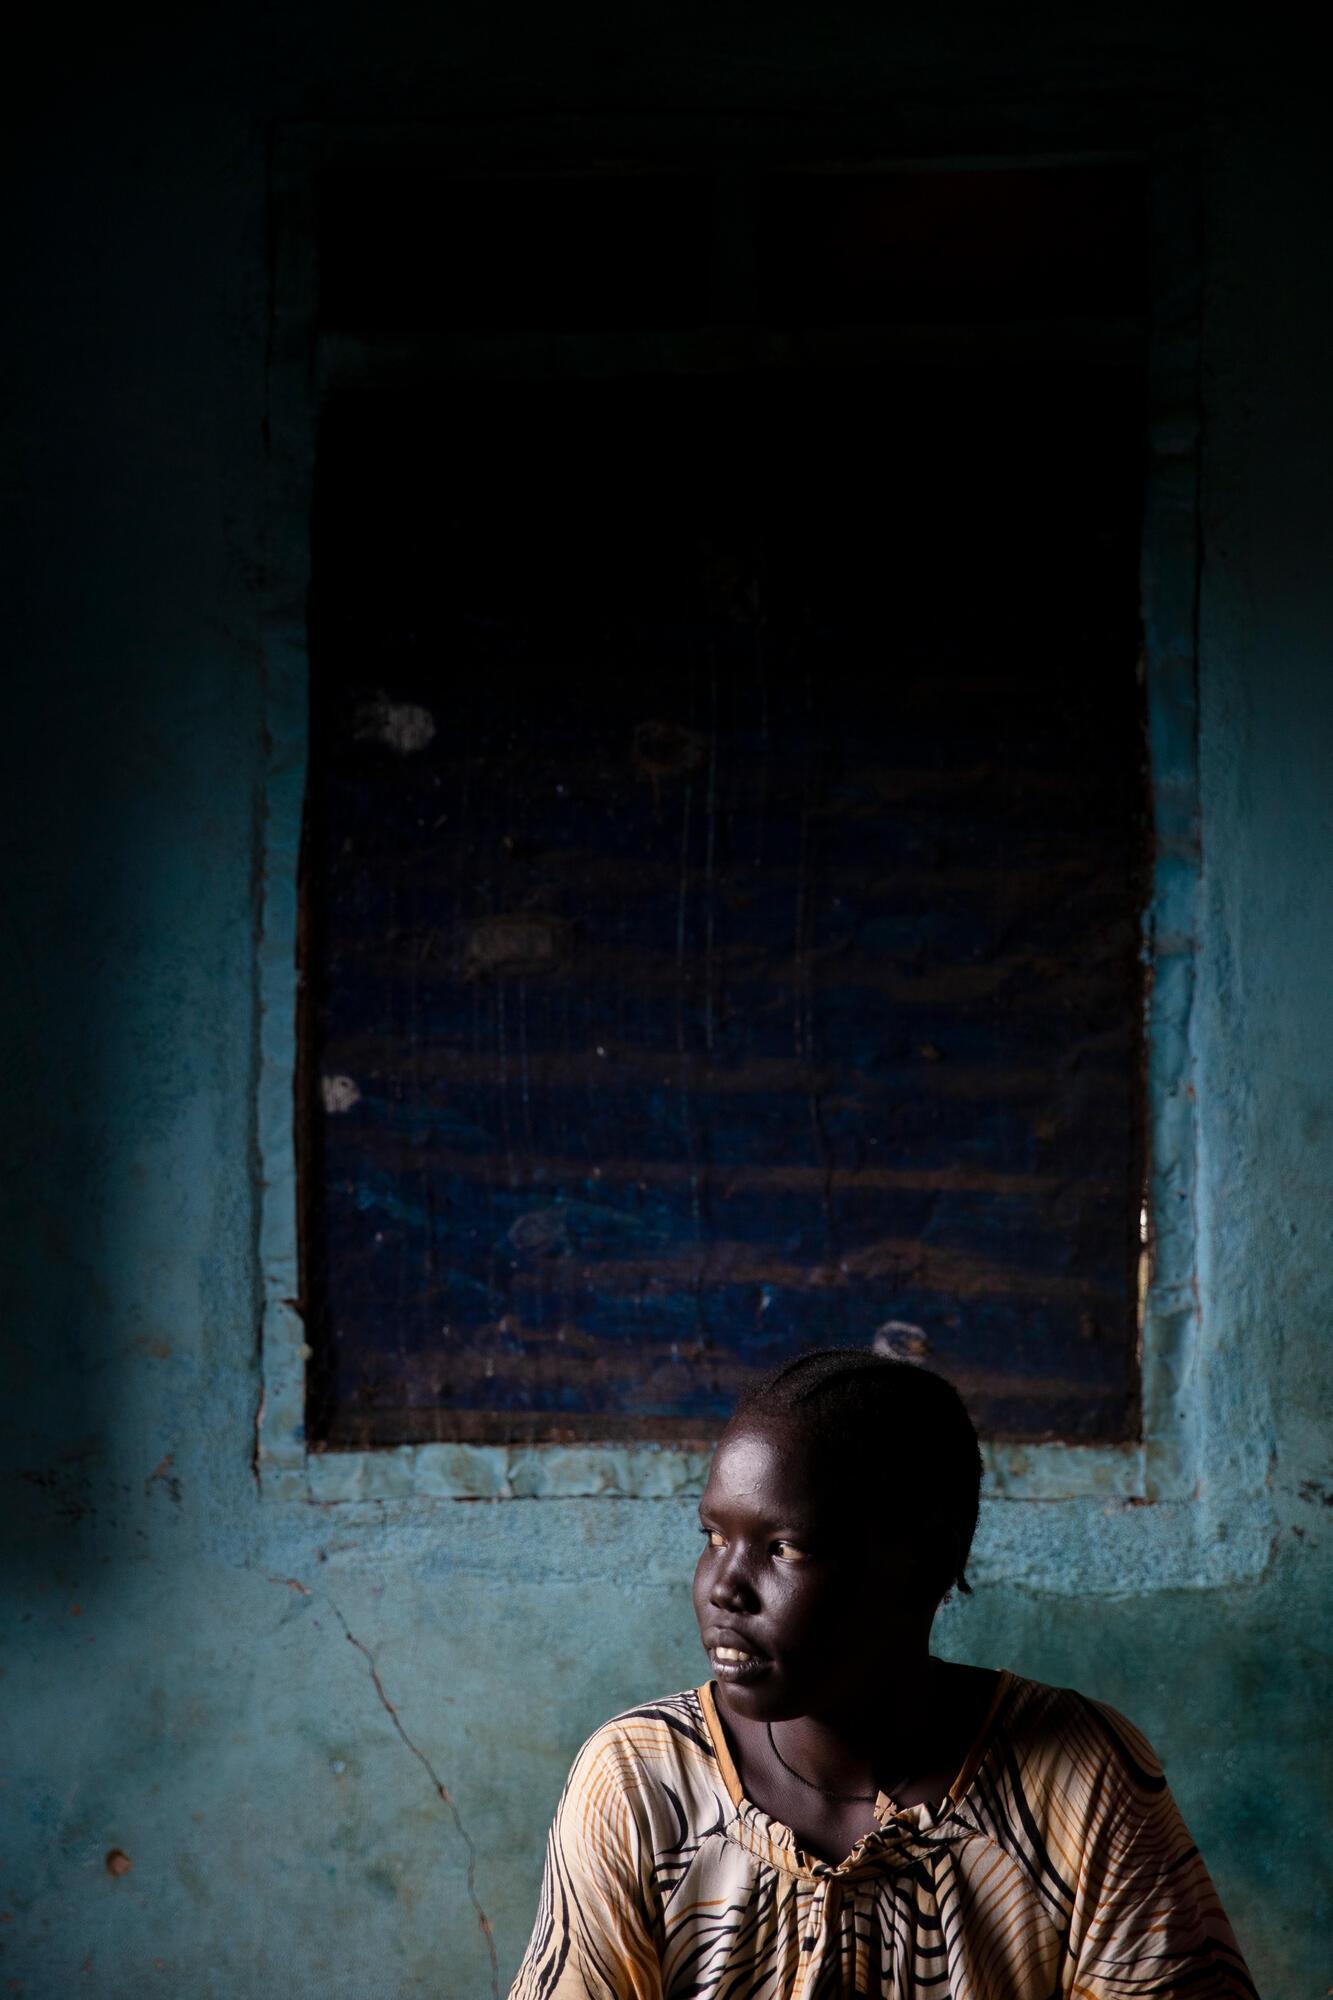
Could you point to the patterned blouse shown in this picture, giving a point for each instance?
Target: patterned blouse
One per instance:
(1057, 1867)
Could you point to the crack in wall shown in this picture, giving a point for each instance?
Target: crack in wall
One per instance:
(442, 1790)
(257, 1454)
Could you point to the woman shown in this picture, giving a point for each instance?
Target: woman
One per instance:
(838, 1812)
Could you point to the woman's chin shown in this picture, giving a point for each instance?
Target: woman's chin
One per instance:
(758, 1696)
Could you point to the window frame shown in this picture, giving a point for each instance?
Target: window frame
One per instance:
(1163, 1464)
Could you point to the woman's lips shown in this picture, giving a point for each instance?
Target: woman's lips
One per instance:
(733, 1663)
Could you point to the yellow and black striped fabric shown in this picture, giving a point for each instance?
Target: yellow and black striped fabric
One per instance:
(1057, 1867)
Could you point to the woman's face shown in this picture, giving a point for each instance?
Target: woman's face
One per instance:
(803, 1599)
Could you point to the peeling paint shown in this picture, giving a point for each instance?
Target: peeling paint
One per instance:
(163, 1475)
(403, 726)
(339, 1094)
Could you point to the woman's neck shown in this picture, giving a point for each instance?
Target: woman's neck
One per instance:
(868, 1742)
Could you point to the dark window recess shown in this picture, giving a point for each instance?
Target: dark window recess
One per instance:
(435, 252)
(432, 251)
(975, 249)
(723, 886)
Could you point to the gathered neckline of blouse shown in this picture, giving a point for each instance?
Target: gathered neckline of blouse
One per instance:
(897, 1828)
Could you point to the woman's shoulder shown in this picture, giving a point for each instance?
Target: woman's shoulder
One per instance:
(654, 1738)
(1063, 1738)
(652, 1767)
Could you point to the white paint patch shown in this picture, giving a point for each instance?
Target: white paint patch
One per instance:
(340, 1093)
(901, 1341)
(403, 726)
(540, 1229)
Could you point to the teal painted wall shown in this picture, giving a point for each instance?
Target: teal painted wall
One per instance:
(180, 1677)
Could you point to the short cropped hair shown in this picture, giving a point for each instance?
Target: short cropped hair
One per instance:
(902, 1431)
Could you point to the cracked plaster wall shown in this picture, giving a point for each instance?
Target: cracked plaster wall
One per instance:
(323, 1741)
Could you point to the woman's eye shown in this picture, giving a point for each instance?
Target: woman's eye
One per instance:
(788, 1551)
(712, 1537)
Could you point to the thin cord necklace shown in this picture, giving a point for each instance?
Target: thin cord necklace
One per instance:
(845, 1798)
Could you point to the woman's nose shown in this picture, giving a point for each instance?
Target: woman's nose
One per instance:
(731, 1590)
